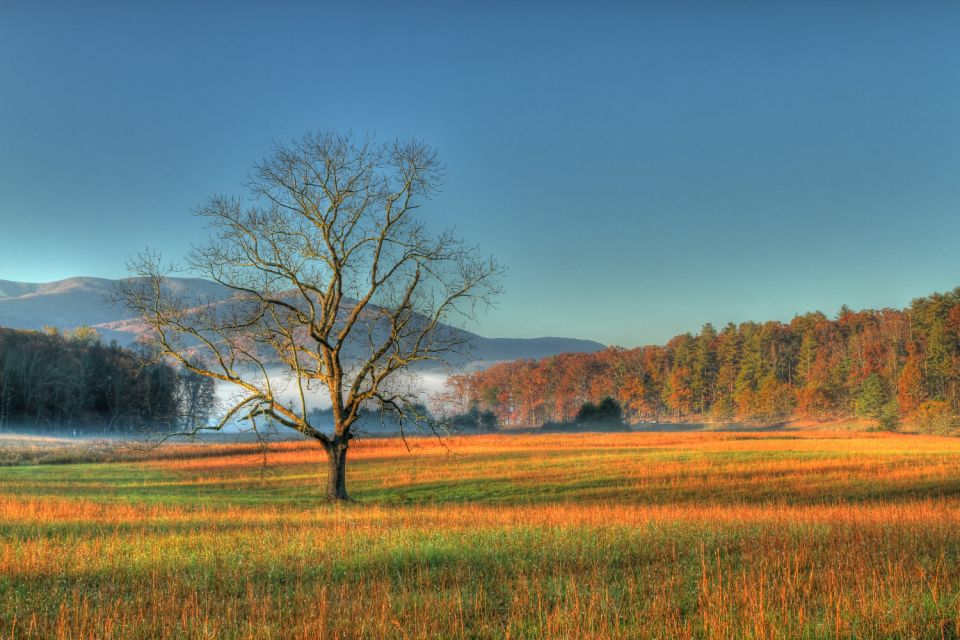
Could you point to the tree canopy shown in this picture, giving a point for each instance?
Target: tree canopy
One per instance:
(887, 365)
(53, 381)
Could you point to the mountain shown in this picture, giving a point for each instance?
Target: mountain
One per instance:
(76, 302)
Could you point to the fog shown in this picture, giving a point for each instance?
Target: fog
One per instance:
(426, 384)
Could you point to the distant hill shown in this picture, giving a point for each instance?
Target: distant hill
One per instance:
(75, 302)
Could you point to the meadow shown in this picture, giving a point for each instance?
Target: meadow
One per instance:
(801, 534)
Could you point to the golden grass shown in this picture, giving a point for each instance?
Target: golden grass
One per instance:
(704, 535)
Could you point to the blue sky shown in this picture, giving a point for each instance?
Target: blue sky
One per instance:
(641, 168)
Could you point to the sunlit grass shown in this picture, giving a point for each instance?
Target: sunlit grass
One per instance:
(778, 535)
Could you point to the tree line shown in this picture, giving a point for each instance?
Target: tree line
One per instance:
(889, 366)
(52, 381)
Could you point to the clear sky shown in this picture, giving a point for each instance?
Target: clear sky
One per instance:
(641, 168)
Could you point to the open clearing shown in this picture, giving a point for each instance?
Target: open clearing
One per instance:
(667, 535)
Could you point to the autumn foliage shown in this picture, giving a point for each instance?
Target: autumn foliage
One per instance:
(887, 365)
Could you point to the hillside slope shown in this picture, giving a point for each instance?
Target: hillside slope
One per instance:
(75, 302)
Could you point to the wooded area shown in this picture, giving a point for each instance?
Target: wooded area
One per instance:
(52, 381)
(889, 365)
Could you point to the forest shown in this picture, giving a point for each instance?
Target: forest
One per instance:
(52, 381)
(890, 367)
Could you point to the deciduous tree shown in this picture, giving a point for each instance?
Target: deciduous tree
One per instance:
(339, 284)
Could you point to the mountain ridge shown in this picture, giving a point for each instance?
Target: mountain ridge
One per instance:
(85, 301)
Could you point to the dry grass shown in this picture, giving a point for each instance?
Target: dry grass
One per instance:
(705, 535)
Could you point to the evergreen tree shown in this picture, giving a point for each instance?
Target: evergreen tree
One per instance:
(873, 397)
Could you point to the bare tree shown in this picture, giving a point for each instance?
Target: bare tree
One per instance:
(338, 289)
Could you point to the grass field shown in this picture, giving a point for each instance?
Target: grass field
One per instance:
(690, 535)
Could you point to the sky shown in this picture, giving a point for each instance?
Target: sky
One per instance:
(640, 168)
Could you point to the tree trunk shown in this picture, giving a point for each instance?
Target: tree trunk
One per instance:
(337, 470)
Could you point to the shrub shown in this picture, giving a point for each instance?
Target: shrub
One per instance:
(935, 416)
(608, 411)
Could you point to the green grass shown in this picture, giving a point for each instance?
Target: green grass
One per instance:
(620, 536)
